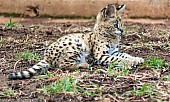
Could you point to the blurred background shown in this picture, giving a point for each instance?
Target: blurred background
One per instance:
(154, 9)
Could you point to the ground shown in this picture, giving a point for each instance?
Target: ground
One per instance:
(148, 82)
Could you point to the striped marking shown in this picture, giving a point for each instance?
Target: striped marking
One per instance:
(114, 52)
(26, 74)
(19, 75)
(39, 68)
(104, 58)
(101, 57)
(31, 70)
(36, 67)
(105, 62)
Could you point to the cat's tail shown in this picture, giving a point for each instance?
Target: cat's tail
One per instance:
(38, 69)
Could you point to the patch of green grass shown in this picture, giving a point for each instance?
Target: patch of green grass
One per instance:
(68, 84)
(145, 89)
(117, 70)
(10, 24)
(157, 63)
(9, 92)
(110, 67)
(28, 55)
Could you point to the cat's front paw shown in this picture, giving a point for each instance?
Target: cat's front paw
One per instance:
(139, 60)
(136, 61)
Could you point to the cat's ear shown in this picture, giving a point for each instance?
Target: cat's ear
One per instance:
(110, 10)
(107, 12)
(120, 9)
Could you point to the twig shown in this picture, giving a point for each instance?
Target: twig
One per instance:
(16, 64)
(113, 98)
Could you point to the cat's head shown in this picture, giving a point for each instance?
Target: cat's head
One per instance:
(109, 18)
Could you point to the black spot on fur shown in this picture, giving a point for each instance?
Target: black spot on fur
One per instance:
(78, 48)
(107, 62)
(107, 46)
(98, 49)
(54, 58)
(79, 45)
(67, 63)
(76, 40)
(56, 54)
(69, 43)
(105, 52)
(73, 47)
(69, 52)
(112, 59)
(59, 53)
(120, 54)
(82, 36)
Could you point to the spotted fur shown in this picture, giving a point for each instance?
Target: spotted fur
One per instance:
(70, 51)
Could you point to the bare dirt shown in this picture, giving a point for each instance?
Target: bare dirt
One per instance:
(140, 39)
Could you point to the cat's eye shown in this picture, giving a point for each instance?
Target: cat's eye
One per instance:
(116, 25)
